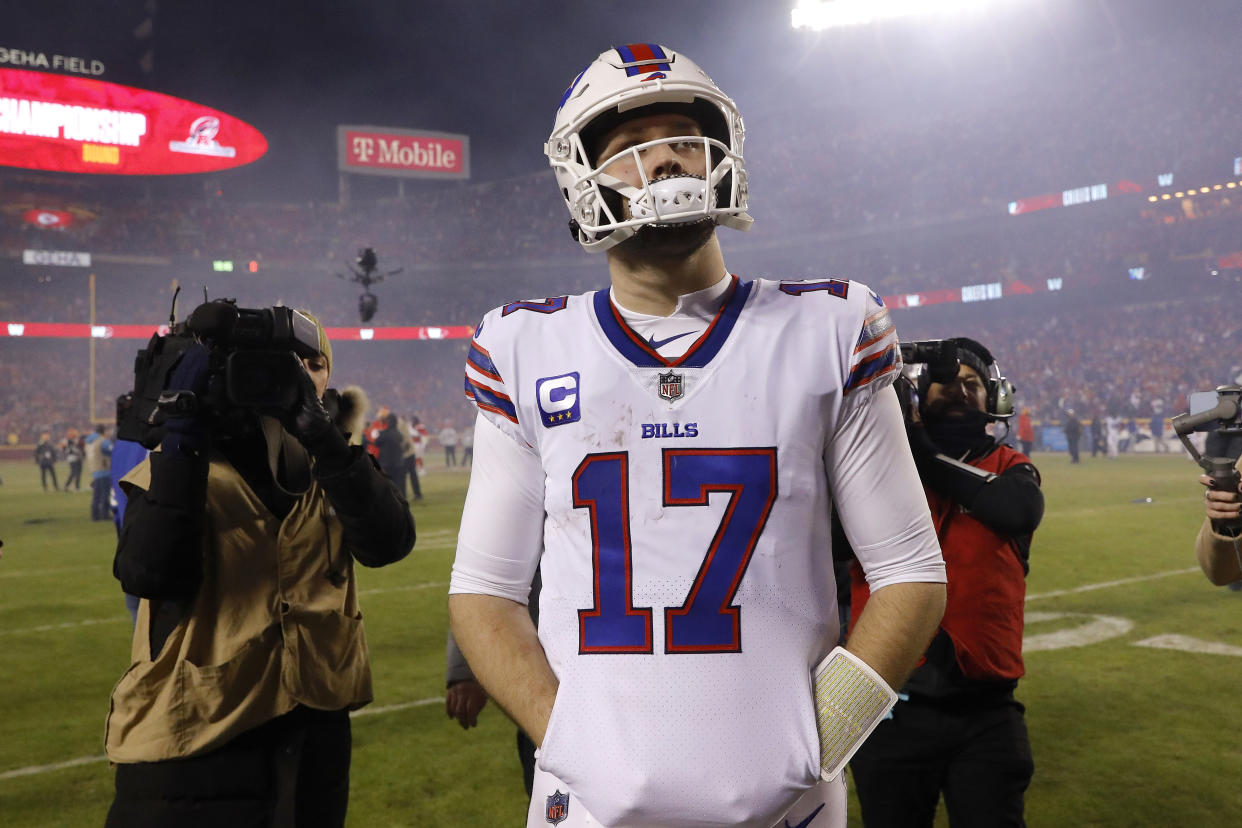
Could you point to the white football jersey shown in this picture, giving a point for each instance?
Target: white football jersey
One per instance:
(688, 585)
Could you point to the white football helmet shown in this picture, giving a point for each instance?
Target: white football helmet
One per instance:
(605, 94)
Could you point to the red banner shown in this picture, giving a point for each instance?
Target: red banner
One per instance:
(81, 125)
(71, 330)
(402, 152)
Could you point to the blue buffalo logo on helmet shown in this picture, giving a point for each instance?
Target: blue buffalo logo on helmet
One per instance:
(557, 809)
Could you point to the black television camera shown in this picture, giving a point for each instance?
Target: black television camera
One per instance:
(936, 357)
(937, 360)
(1217, 411)
(254, 364)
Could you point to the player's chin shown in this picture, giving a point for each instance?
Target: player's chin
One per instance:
(670, 240)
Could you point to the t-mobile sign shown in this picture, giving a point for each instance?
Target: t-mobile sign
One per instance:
(402, 152)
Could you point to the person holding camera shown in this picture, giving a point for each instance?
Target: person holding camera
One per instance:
(248, 653)
(957, 729)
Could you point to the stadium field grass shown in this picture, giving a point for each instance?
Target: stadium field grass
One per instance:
(1123, 734)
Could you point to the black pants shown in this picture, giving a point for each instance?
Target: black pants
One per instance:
(44, 471)
(292, 772)
(979, 757)
(1073, 449)
(450, 455)
(1027, 445)
(100, 510)
(410, 464)
(75, 477)
(526, 755)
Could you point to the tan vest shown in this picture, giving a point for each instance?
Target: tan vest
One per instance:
(268, 629)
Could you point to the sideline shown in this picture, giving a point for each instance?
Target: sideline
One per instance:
(34, 770)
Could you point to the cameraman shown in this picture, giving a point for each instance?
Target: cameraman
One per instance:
(958, 730)
(248, 652)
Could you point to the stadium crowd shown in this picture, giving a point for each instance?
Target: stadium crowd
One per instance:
(1116, 359)
(914, 200)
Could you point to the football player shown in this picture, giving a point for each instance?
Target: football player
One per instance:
(667, 451)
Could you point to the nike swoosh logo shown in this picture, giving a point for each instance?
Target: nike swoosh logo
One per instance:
(804, 823)
(657, 345)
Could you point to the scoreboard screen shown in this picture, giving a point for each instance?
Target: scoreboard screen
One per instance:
(82, 125)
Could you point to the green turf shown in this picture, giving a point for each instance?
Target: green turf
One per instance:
(1123, 735)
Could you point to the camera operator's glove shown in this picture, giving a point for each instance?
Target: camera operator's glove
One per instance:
(311, 423)
(187, 433)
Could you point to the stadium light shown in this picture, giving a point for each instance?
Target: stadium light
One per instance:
(818, 15)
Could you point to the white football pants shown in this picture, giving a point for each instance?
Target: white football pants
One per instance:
(823, 806)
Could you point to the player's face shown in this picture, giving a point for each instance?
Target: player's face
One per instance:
(317, 367)
(952, 399)
(659, 161)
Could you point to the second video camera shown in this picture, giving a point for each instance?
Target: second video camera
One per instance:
(254, 364)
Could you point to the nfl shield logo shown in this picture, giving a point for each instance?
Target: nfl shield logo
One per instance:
(558, 808)
(671, 386)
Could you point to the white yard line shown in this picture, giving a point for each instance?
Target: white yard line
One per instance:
(1106, 584)
(37, 769)
(392, 708)
(34, 770)
(1189, 645)
(409, 588)
(115, 619)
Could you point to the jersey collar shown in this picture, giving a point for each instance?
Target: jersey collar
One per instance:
(636, 349)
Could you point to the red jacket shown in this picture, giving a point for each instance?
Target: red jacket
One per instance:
(986, 585)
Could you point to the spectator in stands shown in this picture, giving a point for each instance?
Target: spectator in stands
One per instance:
(45, 456)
